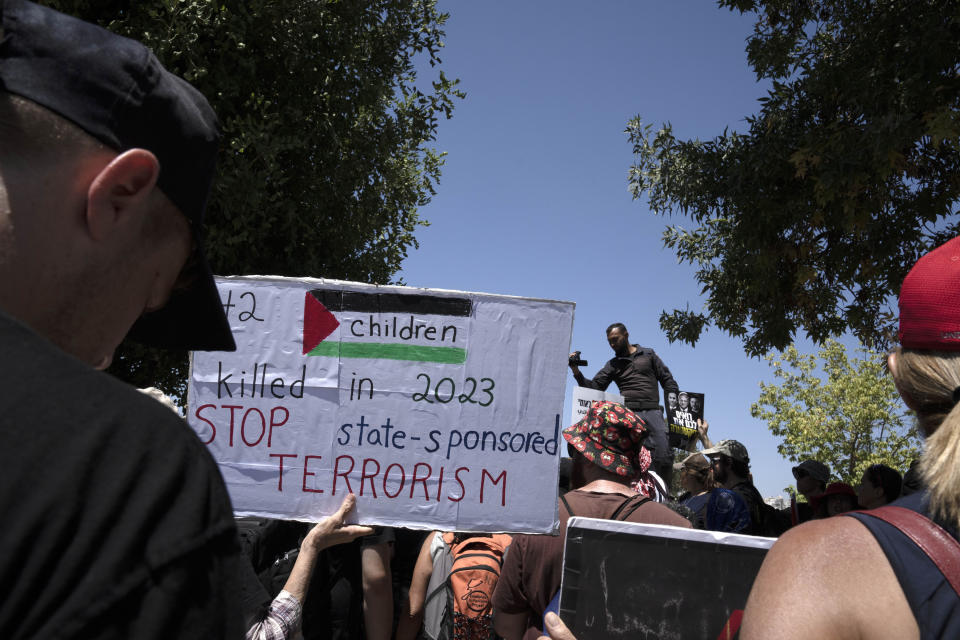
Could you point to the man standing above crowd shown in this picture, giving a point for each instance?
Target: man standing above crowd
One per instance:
(606, 448)
(116, 522)
(637, 371)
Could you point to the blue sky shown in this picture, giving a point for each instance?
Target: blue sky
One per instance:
(533, 200)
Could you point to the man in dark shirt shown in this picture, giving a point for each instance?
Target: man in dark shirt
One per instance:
(117, 522)
(731, 470)
(637, 371)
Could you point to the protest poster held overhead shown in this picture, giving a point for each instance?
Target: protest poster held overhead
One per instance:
(683, 411)
(438, 409)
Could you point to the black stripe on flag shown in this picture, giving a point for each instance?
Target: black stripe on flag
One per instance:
(414, 303)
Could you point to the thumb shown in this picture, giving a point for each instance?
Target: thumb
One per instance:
(345, 507)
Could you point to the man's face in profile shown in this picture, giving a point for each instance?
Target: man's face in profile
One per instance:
(672, 400)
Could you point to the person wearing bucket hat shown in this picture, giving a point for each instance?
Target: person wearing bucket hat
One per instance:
(861, 576)
(116, 519)
(607, 451)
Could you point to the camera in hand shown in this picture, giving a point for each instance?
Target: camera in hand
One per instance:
(576, 361)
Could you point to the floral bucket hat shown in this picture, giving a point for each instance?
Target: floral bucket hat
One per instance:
(610, 436)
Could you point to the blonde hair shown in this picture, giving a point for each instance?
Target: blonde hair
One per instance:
(928, 379)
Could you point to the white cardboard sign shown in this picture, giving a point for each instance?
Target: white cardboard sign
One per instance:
(584, 396)
(438, 409)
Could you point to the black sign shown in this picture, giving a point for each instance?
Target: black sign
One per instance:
(637, 581)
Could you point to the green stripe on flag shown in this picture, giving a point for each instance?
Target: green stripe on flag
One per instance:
(391, 351)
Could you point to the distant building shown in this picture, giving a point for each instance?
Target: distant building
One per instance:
(778, 502)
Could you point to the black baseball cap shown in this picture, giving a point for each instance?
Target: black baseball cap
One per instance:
(116, 90)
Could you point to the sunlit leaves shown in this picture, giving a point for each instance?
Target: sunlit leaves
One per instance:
(844, 411)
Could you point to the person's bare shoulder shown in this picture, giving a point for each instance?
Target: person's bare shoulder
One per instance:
(827, 578)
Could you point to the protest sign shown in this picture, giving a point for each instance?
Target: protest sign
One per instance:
(683, 411)
(631, 580)
(438, 409)
(583, 396)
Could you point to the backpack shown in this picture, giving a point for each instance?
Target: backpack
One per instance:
(461, 588)
(272, 546)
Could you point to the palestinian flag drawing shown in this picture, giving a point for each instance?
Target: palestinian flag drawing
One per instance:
(390, 326)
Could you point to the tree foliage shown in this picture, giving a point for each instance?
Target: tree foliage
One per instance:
(325, 157)
(848, 173)
(842, 411)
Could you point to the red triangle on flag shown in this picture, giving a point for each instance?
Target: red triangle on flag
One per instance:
(318, 323)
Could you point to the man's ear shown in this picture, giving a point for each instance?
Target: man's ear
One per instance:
(120, 189)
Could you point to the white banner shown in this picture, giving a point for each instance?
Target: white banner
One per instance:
(438, 409)
(583, 396)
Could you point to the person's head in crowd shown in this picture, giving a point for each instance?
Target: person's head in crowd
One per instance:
(607, 443)
(838, 497)
(672, 400)
(160, 397)
(696, 474)
(926, 370)
(731, 463)
(912, 480)
(104, 177)
(618, 339)
(879, 485)
(812, 477)
(684, 401)
(695, 404)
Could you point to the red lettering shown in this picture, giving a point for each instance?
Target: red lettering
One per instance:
(503, 476)
(403, 480)
(274, 423)
(336, 472)
(440, 484)
(232, 407)
(463, 489)
(213, 429)
(243, 428)
(366, 476)
(282, 456)
(306, 463)
(423, 480)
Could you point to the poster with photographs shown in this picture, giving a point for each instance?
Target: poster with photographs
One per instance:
(683, 411)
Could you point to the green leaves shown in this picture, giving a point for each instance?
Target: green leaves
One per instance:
(326, 157)
(809, 220)
(842, 411)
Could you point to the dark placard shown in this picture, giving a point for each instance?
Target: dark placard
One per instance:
(683, 411)
(639, 581)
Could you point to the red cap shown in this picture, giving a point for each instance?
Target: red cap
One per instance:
(930, 301)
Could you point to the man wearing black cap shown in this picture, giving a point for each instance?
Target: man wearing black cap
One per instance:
(116, 520)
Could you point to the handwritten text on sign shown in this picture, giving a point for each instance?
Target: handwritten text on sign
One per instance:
(437, 408)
